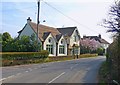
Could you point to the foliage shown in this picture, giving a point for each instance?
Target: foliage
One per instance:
(100, 51)
(113, 52)
(104, 74)
(113, 57)
(89, 46)
(12, 57)
(6, 40)
(22, 44)
(87, 55)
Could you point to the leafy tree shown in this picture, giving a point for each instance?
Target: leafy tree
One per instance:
(22, 44)
(6, 39)
(100, 51)
(89, 45)
(35, 46)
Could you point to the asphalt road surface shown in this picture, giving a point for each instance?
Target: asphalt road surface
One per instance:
(84, 70)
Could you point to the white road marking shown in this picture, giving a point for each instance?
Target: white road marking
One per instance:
(18, 73)
(26, 71)
(56, 77)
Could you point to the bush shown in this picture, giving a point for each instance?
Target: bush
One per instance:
(87, 55)
(22, 57)
(100, 51)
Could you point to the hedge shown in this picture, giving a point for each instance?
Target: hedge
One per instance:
(10, 58)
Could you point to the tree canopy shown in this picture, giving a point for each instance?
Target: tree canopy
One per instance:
(22, 44)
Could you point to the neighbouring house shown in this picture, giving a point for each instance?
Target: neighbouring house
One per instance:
(58, 41)
(98, 38)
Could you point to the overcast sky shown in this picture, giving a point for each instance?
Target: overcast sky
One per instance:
(85, 14)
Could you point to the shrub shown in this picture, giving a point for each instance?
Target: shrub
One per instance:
(22, 57)
(87, 55)
(100, 51)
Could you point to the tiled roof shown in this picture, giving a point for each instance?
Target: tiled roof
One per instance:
(104, 41)
(66, 31)
(97, 38)
(44, 30)
(45, 35)
(58, 37)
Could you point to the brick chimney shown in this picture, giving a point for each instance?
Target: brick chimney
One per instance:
(29, 20)
(84, 36)
(99, 36)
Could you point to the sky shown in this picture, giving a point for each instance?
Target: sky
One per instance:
(87, 15)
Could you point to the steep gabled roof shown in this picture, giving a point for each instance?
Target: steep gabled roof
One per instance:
(44, 30)
(97, 38)
(45, 35)
(58, 37)
(67, 30)
(104, 41)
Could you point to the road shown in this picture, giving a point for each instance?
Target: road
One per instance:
(82, 70)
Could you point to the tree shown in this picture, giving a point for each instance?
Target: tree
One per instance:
(6, 39)
(89, 45)
(113, 20)
(113, 25)
(35, 46)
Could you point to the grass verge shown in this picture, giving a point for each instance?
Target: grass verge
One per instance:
(49, 59)
(103, 73)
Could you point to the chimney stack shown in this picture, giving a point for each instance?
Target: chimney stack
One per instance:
(84, 36)
(29, 20)
(99, 36)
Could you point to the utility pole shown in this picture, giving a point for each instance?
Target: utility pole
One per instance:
(38, 24)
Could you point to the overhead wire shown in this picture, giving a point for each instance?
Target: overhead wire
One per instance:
(69, 17)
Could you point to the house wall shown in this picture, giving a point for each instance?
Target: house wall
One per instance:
(105, 46)
(65, 44)
(53, 43)
(77, 40)
(28, 31)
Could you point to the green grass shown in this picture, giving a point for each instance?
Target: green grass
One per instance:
(103, 73)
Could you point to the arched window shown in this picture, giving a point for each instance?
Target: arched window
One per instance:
(49, 46)
(62, 47)
(50, 40)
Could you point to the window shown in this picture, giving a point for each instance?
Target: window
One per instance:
(49, 40)
(75, 39)
(49, 48)
(62, 41)
(61, 49)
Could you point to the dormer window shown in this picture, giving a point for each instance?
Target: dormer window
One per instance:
(62, 41)
(75, 39)
(50, 40)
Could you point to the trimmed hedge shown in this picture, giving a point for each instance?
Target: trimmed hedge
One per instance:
(87, 55)
(10, 58)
